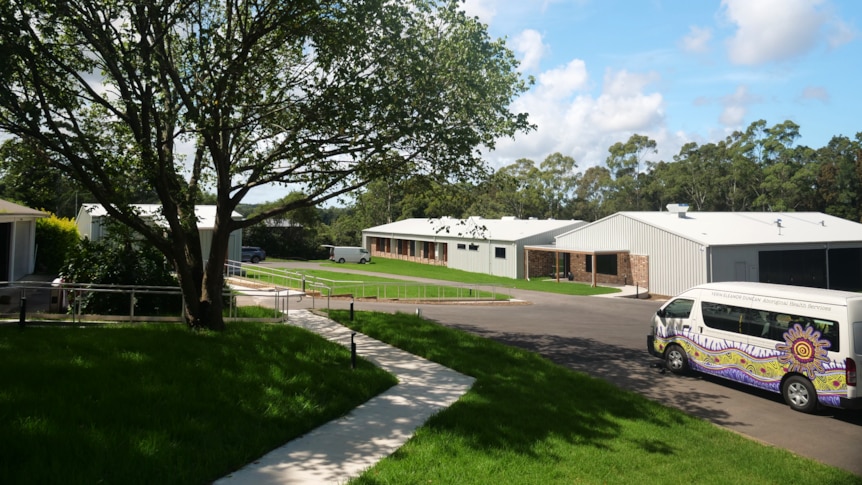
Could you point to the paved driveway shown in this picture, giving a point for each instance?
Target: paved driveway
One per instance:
(606, 337)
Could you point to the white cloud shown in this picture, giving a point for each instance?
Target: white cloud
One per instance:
(484, 9)
(697, 40)
(772, 30)
(574, 122)
(529, 44)
(563, 81)
(624, 83)
(736, 106)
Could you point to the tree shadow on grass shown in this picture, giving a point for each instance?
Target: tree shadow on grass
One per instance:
(161, 404)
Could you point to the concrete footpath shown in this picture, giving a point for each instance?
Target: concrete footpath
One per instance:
(342, 449)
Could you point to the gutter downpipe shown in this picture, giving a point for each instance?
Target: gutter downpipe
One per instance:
(709, 268)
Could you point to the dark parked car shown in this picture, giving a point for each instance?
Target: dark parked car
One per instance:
(253, 254)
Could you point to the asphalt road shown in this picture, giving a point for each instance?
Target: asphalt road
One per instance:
(606, 338)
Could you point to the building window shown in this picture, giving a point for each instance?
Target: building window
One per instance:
(474, 247)
(605, 264)
(462, 246)
(500, 253)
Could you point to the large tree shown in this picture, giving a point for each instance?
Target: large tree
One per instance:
(313, 93)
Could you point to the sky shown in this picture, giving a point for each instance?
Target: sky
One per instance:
(677, 71)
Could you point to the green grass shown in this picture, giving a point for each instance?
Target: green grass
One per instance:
(161, 404)
(366, 286)
(527, 420)
(418, 270)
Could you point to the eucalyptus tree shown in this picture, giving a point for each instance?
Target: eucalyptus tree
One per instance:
(306, 93)
(520, 189)
(838, 183)
(626, 162)
(592, 194)
(558, 180)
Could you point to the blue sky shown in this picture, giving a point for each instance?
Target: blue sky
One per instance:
(677, 71)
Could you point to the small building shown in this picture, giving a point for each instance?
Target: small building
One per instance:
(17, 240)
(669, 252)
(490, 246)
(92, 218)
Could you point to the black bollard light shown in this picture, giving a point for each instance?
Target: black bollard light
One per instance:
(351, 310)
(352, 351)
(22, 318)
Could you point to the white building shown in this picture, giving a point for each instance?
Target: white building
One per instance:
(668, 252)
(491, 246)
(91, 224)
(17, 240)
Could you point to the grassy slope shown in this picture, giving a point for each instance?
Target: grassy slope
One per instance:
(527, 420)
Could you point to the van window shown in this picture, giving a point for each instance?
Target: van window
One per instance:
(857, 338)
(765, 324)
(679, 308)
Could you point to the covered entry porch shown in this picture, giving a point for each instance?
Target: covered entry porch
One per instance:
(593, 266)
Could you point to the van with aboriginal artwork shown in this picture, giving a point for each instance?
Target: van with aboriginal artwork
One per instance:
(804, 343)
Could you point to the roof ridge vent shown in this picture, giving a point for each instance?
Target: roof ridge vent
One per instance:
(678, 209)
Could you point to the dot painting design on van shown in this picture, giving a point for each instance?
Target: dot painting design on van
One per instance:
(803, 350)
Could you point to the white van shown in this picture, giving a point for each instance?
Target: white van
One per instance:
(804, 343)
(349, 254)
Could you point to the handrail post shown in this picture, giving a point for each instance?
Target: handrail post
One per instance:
(22, 317)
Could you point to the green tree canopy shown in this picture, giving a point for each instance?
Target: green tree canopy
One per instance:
(311, 93)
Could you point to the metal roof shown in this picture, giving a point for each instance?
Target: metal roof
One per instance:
(506, 229)
(12, 209)
(746, 228)
(204, 213)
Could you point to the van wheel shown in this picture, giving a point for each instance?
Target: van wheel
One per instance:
(676, 360)
(255, 259)
(799, 394)
(341, 260)
(362, 261)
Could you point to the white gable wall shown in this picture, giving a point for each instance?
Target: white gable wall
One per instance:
(23, 242)
(675, 263)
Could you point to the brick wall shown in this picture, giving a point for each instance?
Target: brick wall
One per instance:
(630, 268)
(640, 270)
(540, 263)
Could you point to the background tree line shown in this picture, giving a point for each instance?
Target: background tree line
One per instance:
(758, 169)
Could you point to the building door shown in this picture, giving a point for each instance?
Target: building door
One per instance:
(739, 273)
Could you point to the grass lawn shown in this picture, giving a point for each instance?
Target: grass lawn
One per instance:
(158, 403)
(527, 420)
(367, 286)
(418, 270)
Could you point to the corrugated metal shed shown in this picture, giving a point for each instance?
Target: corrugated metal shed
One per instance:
(18, 229)
(746, 228)
(91, 216)
(205, 213)
(687, 249)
